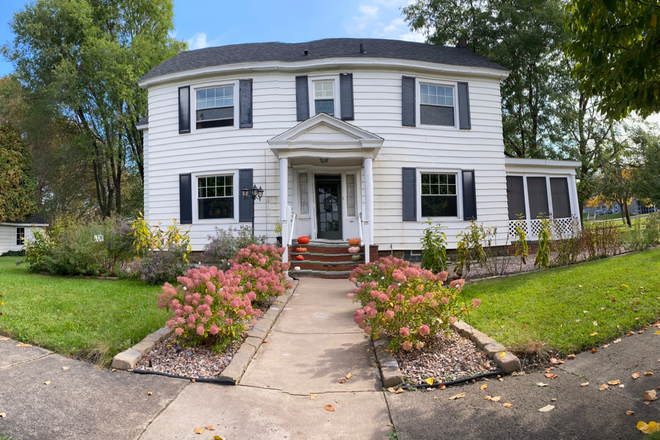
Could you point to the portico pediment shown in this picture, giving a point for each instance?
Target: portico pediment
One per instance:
(326, 136)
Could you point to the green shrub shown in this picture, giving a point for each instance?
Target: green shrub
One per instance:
(406, 303)
(434, 248)
(20, 253)
(543, 253)
(642, 235)
(225, 244)
(476, 247)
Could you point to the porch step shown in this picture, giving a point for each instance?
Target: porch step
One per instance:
(334, 275)
(324, 259)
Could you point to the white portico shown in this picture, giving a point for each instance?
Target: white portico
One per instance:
(330, 165)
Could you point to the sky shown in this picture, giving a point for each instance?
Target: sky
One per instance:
(204, 23)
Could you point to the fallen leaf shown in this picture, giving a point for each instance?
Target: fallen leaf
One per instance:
(501, 379)
(647, 402)
(457, 396)
(349, 375)
(211, 428)
(650, 395)
(570, 356)
(496, 398)
(503, 354)
(595, 323)
(584, 384)
(604, 387)
(487, 397)
(593, 334)
(217, 437)
(622, 386)
(390, 389)
(199, 430)
(541, 384)
(554, 399)
(329, 408)
(399, 391)
(266, 342)
(648, 373)
(614, 382)
(429, 381)
(342, 380)
(648, 429)
(507, 405)
(606, 345)
(636, 375)
(547, 408)
(65, 368)
(47, 382)
(551, 376)
(3, 415)
(6, 339)
(656, 333)
(442, 387)
(616, 341)
(20, 344)
(483, 387)
(594, 350)
(630, 413)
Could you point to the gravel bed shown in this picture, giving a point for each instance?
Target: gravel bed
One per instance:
(169, 356)
(444, 358)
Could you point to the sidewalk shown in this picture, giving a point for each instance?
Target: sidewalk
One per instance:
(313, 344)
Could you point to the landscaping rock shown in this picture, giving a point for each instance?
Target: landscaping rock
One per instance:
(126, 360)
(144, 347)
(508, 363)
(493, 348)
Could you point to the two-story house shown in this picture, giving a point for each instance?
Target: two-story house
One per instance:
(347, 138)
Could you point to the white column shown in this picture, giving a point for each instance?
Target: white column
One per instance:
(284, 192)
(369, 194)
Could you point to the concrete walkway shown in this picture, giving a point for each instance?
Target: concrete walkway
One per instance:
(292, 378)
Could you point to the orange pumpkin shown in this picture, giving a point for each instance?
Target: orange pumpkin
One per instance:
(354, 241)
(303, 240)
(299, 257)
(301, 249)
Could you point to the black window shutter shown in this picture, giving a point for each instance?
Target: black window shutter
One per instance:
(245, 109)
(469, 196)
(408, 101)
(185, 198)
(409, 194)
(302, 98)
(464, 106)
(346, 96)
(184, 109)
(244, 205)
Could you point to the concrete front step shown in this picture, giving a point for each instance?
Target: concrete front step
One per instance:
(328, 266)
(328, 274)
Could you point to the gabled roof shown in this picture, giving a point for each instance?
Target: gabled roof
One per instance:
(36, 219)
(319, 49)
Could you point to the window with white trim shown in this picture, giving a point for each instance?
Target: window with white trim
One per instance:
(20, 236)
(439, 195)
(304, 193)
(215, 107)
(324, 97)
(436, 105)
(350, 195)
(215, 197)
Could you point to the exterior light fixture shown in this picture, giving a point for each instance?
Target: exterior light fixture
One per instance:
(255, 193)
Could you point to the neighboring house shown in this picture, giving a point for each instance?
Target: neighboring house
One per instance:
(357, 137)
(14, 233)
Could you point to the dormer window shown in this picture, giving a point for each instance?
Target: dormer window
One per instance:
(436, 105)
(215, 107)
(324, 97)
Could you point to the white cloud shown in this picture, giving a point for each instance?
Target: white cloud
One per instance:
(198, 41)
(381, 19)
(368, 11)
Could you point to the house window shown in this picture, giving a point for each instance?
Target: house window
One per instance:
(20, 236)
(515, 192)
(324, 97)
(215, 107)
(350, 195)
(304, 193)
(537, 195)
(215, 197)
(439, 195)
(436, 105)
(561, 204)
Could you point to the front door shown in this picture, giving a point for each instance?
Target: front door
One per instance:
(328, 206)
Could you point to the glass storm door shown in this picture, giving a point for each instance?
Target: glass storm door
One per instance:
(328, 207)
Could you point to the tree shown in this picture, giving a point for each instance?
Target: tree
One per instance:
(646, 176)
(616, 186)
(85, 56)
(16, 182)
(526, 37)
(615, 47)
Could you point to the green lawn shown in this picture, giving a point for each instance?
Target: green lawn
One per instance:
(89, 318)
(558, 307)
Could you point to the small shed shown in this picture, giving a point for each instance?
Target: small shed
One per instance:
(14, 233)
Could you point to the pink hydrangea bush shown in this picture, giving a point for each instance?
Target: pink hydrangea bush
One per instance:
(407, 303)
(213, 307)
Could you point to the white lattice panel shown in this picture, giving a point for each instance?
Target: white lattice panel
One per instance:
(561, 228)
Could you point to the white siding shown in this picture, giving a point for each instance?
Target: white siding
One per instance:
(8, 237)
(377, 101)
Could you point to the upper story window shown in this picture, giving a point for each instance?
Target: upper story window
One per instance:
(20, 236)
(215, 197)
(215, 107)
(324, 97)
(439, 195)
(436, 105)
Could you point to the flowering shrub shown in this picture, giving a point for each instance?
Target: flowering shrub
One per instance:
(213, 307)
(158, 267)
(225, 245)
(407, 303)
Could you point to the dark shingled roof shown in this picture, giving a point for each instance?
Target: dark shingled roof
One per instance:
(36, 219)
(319, 49)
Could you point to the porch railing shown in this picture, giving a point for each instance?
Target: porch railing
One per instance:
(293, 224)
